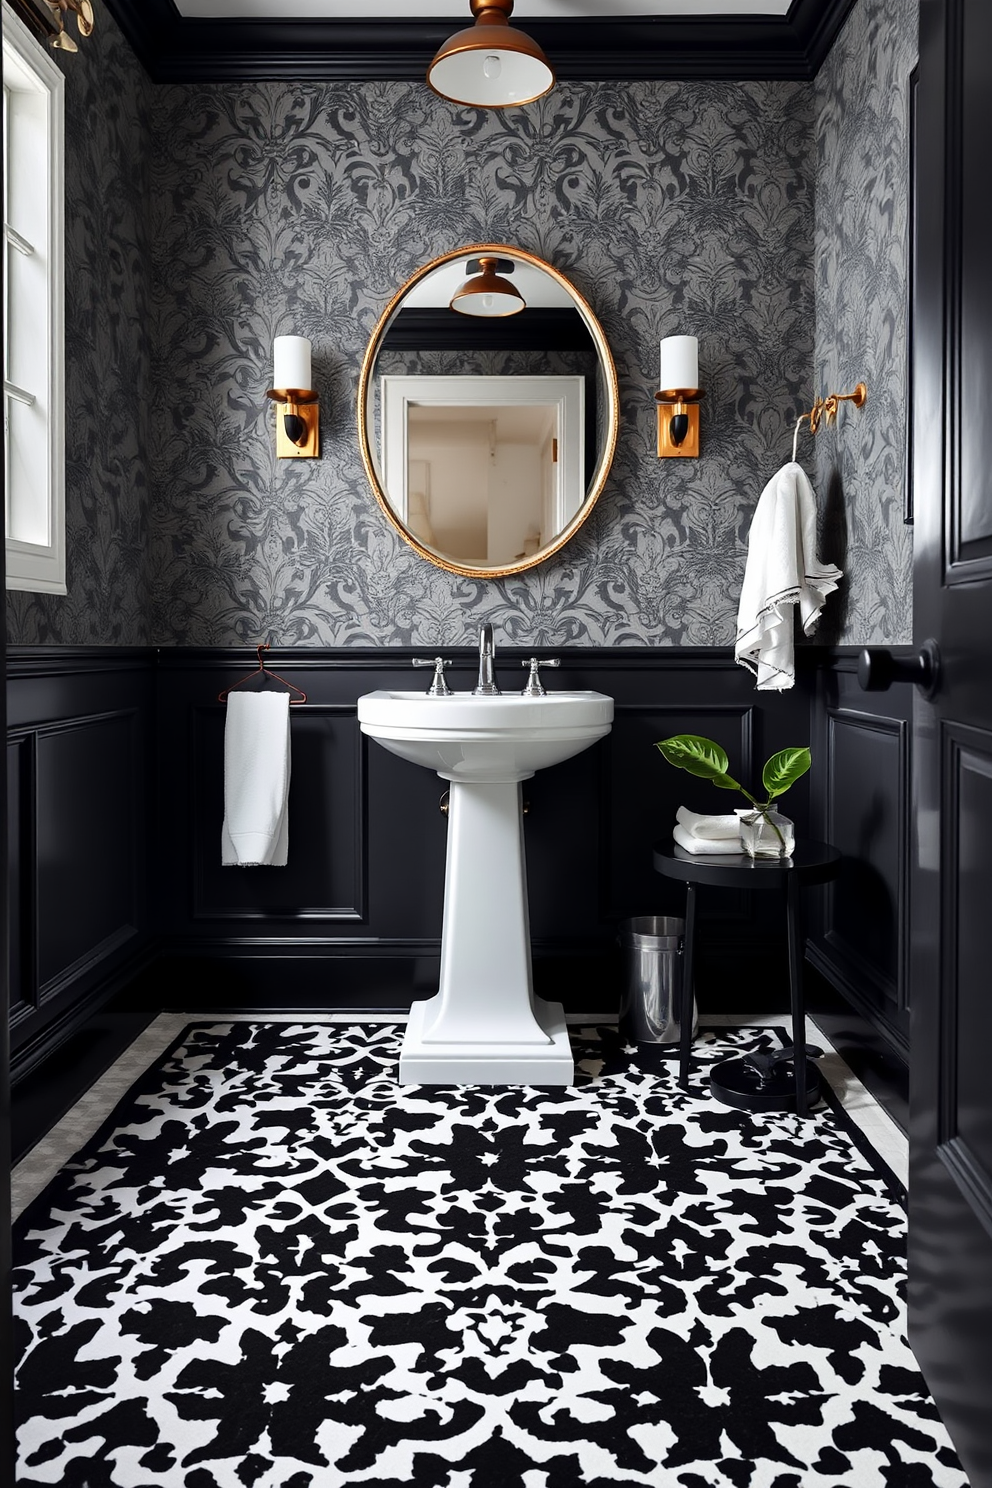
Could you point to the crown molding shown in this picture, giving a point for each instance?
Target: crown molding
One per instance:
(178, 49)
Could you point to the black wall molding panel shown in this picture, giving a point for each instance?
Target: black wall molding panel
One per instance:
(172, 48)
(79, 752)
(862, 798)
(20, 867)
(88, 773)
(635, 767)
(863, 750)
(325, 878)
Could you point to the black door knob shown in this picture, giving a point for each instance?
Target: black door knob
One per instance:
(878, 669)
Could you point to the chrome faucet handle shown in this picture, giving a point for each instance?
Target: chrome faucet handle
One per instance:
(438, 687)
(535, 687)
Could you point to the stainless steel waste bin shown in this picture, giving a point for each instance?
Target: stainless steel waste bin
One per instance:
(649, 1008)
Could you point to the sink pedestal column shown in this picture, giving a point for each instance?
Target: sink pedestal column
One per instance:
(485, 1026)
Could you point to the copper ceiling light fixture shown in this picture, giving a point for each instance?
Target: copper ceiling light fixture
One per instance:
(82, 10)
(490, 65)
(486, 292)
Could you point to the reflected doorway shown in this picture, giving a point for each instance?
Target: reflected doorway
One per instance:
(484, 470)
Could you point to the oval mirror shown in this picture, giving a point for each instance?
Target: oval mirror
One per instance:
(487, 411)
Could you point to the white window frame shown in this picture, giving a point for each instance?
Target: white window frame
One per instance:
(34, 312)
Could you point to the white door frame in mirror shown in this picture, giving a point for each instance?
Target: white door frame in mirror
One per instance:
(564, 397)
(608, 417)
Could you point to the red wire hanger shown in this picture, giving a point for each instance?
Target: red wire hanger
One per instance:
(261, 680)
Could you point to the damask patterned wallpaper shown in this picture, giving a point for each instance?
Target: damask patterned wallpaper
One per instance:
(674, 207)
(862, 227)
(108, 132)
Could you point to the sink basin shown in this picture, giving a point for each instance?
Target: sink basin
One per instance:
(464, 737)
(485, 1026)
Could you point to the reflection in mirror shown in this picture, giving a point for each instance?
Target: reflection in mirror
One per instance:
(487, 438)
(480, 468)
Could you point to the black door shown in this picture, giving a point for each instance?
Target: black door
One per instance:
(950, 1295)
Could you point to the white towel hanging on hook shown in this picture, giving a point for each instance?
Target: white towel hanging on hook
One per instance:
(782, 570)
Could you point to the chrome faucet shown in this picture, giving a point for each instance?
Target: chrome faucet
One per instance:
(438, 687)
(535, 687)
(486, 686)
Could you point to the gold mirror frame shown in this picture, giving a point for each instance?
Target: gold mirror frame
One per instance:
(499, 250)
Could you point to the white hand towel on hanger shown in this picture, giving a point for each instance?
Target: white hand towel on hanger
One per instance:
(255, 833)
(782, 570)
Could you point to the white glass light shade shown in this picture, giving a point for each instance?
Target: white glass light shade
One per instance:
(292, 363)
(488, 304)
(679, 364)
(470, 77)
(490, 64)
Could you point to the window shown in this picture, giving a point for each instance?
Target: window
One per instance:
(34, 350)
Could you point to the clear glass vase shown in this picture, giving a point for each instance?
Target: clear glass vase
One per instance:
(767, 834)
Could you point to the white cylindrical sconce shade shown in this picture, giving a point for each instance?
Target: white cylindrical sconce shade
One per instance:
(291, 356)
(679, 364)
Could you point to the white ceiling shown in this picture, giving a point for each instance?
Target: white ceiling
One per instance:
(458, 10)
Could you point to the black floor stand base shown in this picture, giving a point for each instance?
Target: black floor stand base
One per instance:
(736, 1082)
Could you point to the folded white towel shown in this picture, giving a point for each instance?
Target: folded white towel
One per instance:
(699, 845)
(709, 828)
(256, 780)
(782, 570)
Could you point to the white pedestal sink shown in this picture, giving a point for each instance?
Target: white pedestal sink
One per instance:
(485, 1026)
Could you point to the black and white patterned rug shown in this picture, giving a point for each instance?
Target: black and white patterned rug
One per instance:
(275, 1268)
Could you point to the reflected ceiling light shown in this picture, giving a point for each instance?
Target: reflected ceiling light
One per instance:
(485, 292)
(489, 64)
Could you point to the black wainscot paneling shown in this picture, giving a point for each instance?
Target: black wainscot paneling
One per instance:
(359, 894)
(78, 767)
(115, 776)
(861, 795)
(87, 775)
(20, 817)
(363, 898)
(741, 939)
(324, 877)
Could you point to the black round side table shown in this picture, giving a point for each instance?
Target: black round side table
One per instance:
(810, 863)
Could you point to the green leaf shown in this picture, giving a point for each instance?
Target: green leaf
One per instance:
(784, 769)
(700, 757)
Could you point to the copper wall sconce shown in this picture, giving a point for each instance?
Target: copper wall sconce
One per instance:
(298, 421)
(679, 397)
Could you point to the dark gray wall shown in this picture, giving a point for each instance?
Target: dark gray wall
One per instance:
(675, 207)
(109, 389)
(862, 234)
